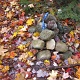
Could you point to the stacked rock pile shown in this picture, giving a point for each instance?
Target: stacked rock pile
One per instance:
(29, 45)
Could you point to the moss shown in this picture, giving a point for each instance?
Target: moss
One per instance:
(70, 11)
(69, 8)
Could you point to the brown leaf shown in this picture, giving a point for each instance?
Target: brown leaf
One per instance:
(9, 15)
(72, 61)
(4, 30)
(20, 76)
(2, 51)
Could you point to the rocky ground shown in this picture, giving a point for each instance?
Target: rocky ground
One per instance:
(37, 47)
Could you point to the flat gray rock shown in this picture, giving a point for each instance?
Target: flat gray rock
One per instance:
(46, 34)
(61, 47)
(45, 54)
(39, 44)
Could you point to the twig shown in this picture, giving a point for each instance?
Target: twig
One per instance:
(59, 67)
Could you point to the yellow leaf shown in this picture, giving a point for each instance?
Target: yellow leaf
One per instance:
(5, 69)
(30, 54)
(20, 27)
(15, 34)
(78, 73)
(20, 76)
(0, 62)
(46, 61)
(36, 34)
(27, 45)
(30, 21)
(72, 34)
(52, 11)
(21, 46)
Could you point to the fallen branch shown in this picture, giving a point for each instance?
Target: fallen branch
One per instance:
(59, 67)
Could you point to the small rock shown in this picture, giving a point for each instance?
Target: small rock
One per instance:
(45, 54)
(66, 29)
(59, 26)
(61, 47)
(67, 54)
(39, 44)
(39, 27)
(28, 40)
(56, 31)
(50, 17)
(51, 25)
(32, 29)
(46, 34)
(50, 44)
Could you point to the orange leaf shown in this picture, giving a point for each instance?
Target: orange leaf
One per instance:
(66, 20)
(53, 57)
(12, 54)
(20, 22)
(23, 13)
(1, 66)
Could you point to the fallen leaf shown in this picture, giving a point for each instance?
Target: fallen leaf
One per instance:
(20, 76)
(2, 51)
(52, 11)
(20, 22)
(71, 61)
(23, 56)
(1, 66)
(30, 54)
(46, 62)
(21, 46)
(30, 21)
(53, 74)
(4, 30)
(36, 34)
(78, 73)
(5, 69)
(13, 3)
(9, 15)
(12, 54)
(31, 5)
(15, 34)
(50, 78)
(65, 75)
